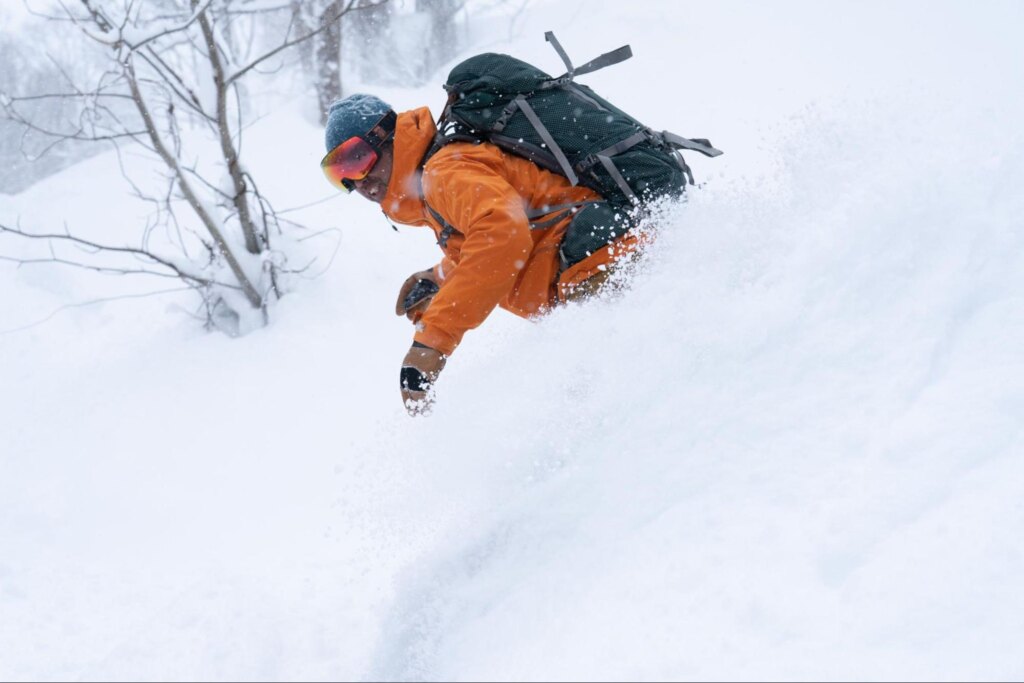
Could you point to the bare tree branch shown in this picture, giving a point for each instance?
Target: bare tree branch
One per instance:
(175, 82)
(190, 196)
(348, 7)
(95, 247)
(161, 62)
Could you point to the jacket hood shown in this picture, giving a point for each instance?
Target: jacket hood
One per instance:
(403, 202)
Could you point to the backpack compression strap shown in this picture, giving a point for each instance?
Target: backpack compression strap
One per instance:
(696, 144)
(548, 139)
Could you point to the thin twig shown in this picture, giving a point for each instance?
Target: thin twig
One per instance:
(95, 247)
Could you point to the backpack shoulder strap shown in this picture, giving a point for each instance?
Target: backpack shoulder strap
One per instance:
(448, 131)
(447, 229)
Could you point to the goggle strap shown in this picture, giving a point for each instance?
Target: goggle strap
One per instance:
(382, 130)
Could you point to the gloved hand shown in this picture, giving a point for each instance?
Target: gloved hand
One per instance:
(420, 370)
(416, 294)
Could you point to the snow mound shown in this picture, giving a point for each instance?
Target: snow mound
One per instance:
(789, 449)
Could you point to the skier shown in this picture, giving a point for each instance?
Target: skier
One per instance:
(513, 233)
(494, 258)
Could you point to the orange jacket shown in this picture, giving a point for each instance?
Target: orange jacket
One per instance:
(494, 258)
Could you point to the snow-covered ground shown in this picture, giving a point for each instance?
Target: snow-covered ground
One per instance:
(791, 450)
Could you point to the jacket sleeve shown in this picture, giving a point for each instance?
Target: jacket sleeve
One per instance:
(478, 202)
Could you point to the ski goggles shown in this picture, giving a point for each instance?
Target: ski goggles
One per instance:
(354, 158)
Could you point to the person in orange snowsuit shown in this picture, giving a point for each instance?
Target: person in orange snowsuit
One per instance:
(487, 209)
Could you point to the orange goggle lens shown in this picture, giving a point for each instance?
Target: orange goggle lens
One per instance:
(348, 162)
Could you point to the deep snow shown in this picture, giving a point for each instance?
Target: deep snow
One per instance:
(791, 450)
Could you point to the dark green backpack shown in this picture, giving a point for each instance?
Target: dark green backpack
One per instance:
(564, 127)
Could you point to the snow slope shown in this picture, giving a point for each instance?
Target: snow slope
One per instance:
(791, 450)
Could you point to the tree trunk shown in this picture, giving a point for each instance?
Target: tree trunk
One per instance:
(328, 58)
(227, 145)
(303, 26)
(250, 291)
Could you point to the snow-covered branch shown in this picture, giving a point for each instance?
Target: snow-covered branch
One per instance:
(173, 268)
(174, 73)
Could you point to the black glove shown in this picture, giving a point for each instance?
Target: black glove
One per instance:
(420, 370)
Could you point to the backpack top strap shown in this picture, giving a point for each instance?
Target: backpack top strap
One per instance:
(607, 59)
(550, 37)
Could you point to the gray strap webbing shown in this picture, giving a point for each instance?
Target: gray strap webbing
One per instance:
(607, 59)
(702, 146)
(550, 37)
(582, 94)
(545, 210)
(506, 114)
(545, 135)
(617, 177)
(544, 225)
(561, 211)
(557, 213)
(446, 228)
(620, 147)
